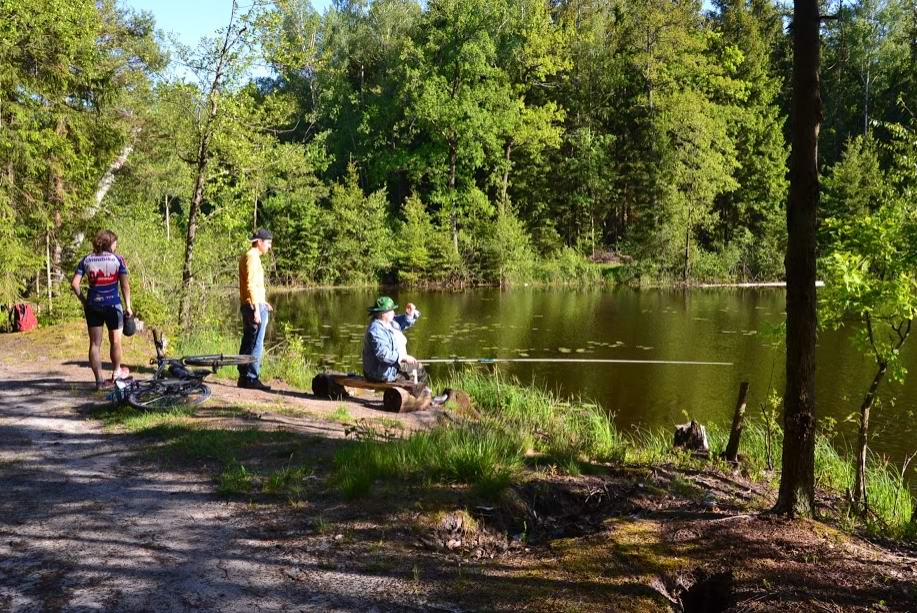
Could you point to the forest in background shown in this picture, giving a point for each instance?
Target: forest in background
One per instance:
(450, 141)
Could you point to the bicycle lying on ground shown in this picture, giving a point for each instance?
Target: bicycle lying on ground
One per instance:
(174, 384)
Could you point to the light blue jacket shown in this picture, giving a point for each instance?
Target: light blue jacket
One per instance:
(380, 351)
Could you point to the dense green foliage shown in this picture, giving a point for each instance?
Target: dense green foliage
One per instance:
(871, 280)
(452, 141)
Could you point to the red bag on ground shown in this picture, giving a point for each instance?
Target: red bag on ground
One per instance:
(22, 318)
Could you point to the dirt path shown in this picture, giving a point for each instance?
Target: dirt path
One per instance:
(81, 527)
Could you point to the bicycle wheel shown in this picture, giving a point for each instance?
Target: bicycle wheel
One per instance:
(158, 395)
(218, 360)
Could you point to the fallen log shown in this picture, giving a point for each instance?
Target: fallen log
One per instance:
(399, 400)
(325, 386)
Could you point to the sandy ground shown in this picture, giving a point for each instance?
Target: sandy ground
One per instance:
(81, 527)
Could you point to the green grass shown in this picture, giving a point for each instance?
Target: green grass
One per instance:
(340, 415)
(652, 447)
(288, 481)
(490, 454)
(468, 454)
(890, 502)
(566, 432)
(146, 422)
(285, 361)
(686, 489)
(833, 471)
(235, 480)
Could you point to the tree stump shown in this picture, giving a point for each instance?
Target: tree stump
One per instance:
(692, 436)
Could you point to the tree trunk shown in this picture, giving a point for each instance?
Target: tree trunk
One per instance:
(48, 269)
(105, 184)
(57, 200)
(684, 275)
(187, 277)
(453, 155)
(859, 486)
(797, 480)
(738, 420)
(168, 221)
(503, 192)
(108, 179)
(203, 154)
(57, 270)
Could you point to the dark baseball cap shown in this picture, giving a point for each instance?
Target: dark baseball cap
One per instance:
(263, 235)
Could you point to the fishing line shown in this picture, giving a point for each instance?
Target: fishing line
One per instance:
(571, 361)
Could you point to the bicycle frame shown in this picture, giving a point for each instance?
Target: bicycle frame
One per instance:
(170, 366)
(174, 382)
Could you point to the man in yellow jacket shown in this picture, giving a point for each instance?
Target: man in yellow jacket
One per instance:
(255, 309)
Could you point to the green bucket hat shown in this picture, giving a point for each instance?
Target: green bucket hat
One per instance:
(383, 304)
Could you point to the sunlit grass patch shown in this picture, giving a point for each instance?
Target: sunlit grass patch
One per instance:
(288, 360)
(340, 415)
(653, 446)
(468, 454)
(889, 500)
(146, 422)
(489, 453)
(833, 471)
(566, 432)
(288, 481)
(234, 480)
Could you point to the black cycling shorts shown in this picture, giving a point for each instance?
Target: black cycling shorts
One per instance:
(110, 316)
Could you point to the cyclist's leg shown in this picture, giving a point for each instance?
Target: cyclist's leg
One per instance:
(95, 349)
(94, 323)
(258, 350)
(114, 320)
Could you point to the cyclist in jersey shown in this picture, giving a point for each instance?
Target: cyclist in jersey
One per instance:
(105, 272)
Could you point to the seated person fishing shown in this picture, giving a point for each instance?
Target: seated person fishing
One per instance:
(385, 356)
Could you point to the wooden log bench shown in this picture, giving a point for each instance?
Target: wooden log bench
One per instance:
(397, 397)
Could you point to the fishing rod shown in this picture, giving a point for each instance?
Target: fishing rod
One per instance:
(570, 361)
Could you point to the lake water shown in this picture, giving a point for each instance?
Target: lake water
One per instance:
(703, 325)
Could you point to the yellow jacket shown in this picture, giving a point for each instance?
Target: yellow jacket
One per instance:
(251, 278)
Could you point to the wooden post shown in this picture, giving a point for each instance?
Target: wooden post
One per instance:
(738, 418)
(168, 222)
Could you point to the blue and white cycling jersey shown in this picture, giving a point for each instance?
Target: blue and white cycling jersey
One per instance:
(102, 270)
